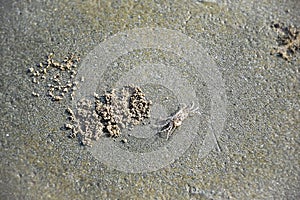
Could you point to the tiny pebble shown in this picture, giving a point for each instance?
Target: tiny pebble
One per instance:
(57, 98)
(35, 94)
(68, 126)
(31, 70)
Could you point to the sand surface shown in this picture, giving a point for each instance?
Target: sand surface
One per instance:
(259, 141)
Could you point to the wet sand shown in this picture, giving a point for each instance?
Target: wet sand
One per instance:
(259, 144)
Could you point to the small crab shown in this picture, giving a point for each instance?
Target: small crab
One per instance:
(174, 121)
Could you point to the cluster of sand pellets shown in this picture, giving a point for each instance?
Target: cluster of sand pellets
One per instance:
(108, 114)
(105, 115)
(288, 40)
(85, 123)
(57, 75)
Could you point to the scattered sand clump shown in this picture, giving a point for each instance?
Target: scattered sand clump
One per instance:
(57, 75)
(86, 123)
(288, 40)
(117, 109)
(104, 115)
